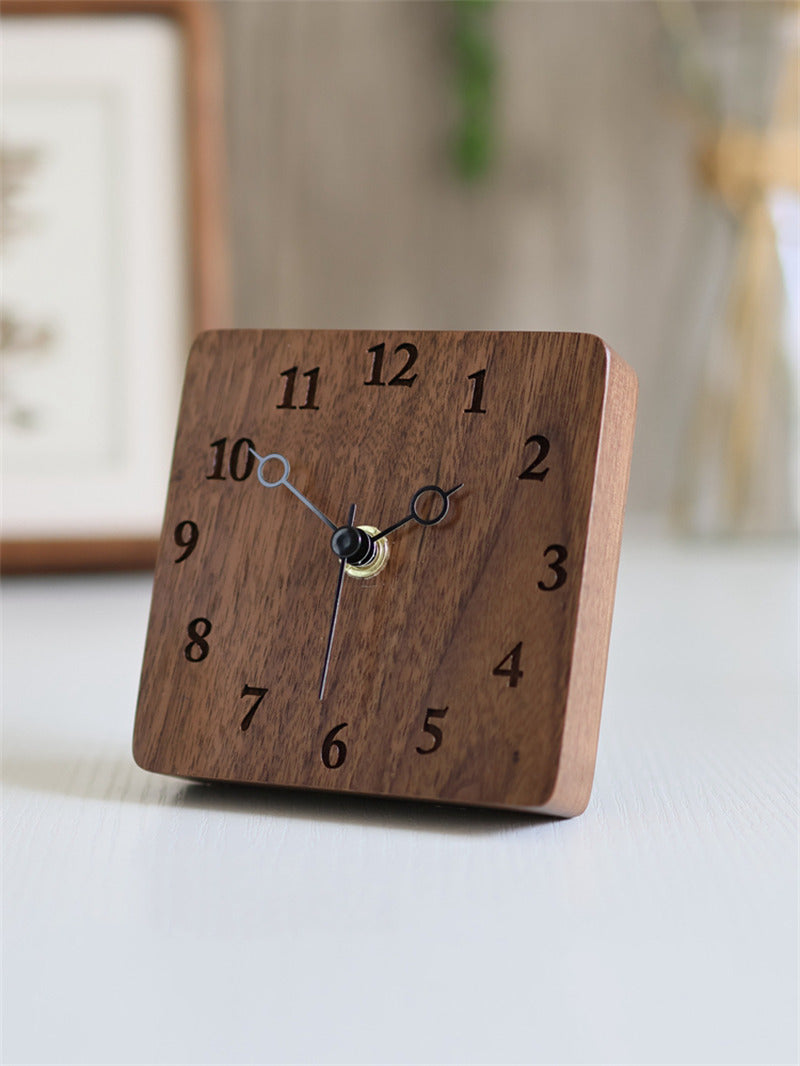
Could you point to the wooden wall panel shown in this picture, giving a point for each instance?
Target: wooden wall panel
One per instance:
(347, 213)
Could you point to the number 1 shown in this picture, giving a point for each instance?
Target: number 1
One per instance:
(477, 380)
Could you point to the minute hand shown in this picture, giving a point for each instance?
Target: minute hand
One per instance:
(413, 514)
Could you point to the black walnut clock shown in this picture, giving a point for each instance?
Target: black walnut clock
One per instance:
(388, 565)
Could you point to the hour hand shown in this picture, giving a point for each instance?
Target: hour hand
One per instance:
(284, 480)
(414, 514)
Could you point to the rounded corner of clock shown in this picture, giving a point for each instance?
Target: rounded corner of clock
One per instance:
(571, 791)
(571, 809)
(559, 805)
(139, 751)
(203, 340)
(598, 348)
(612, 361)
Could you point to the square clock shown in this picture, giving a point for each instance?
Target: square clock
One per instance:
(388, 565)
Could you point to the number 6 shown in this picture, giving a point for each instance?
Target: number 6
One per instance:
(331, 745)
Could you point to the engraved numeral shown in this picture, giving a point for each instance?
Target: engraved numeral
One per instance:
(241, 462)
(512, 671)
(433, 730)
(187, 539)
(197, 648)
(530, 473)
(334, 751)
(288, 390)
(377, 352)
(241, 448)
(252, 690)
(216, 474)
(556, 567)
(477, 380)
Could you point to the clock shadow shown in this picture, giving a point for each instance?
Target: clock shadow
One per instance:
(116, 779)
(379, 811)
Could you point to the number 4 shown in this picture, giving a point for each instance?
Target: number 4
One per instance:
(512, 672)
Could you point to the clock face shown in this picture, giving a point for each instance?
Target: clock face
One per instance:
(459, 656)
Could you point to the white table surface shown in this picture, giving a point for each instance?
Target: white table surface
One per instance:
(148, 920)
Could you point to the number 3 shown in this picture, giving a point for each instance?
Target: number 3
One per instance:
(556, 567)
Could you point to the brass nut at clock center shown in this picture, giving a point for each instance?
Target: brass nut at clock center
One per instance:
(378, 561)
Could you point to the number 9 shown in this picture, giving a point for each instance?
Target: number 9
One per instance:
(187, 540)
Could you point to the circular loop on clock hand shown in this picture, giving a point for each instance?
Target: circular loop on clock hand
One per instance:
(415, 516)
(282, 480)
(444, 496)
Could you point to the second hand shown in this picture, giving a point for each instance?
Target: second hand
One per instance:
(339, 581)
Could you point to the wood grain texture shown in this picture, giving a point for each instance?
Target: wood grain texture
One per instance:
(334, 162)
(207, 255)
(581, 726)
(454, 600)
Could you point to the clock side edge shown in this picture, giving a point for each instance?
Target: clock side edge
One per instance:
(148, 754)
(575, 773)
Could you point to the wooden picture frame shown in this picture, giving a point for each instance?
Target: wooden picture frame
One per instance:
(200, 286)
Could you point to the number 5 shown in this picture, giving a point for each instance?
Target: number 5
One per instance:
(434, 730)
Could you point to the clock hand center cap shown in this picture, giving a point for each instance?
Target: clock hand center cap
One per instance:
(352, 544)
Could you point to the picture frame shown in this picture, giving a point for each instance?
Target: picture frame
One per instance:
(115, 255)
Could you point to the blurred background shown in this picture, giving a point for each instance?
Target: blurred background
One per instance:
(623, 169)
(628, 169)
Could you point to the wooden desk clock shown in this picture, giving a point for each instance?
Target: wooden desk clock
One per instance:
(388, 564)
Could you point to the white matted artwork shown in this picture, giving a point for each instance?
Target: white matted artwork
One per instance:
(95, 295)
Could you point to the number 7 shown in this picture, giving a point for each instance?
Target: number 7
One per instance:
(251, 690)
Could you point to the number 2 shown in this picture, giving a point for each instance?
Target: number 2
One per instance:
(530, 473)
